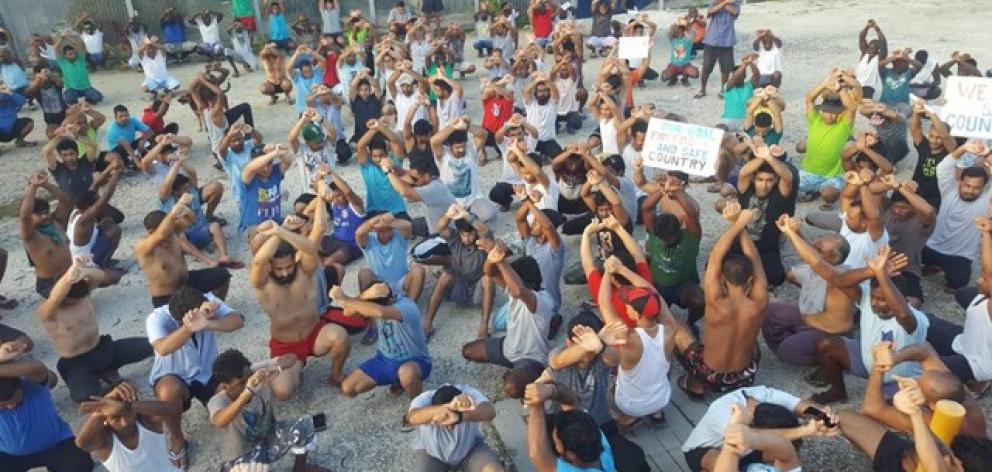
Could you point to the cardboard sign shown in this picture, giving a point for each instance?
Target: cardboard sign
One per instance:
(968, 111)
(692, 149)
(633, 47)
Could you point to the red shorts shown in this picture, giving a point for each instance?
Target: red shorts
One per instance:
(351, 324)
(303, 348)
(674, 70)
(248, 21)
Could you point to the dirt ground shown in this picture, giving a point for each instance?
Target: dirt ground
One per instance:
(363, 433)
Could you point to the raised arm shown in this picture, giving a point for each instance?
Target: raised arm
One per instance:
(711, 280)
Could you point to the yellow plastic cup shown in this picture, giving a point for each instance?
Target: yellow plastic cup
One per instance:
(946, 422)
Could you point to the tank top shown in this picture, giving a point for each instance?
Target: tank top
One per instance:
(84, 250)
(867, 72)
(214, 133)
(151, 454)
(330, 20)
(608, 134)
(644, 389)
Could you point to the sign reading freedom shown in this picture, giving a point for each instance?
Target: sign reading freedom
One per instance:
(968, 111)
(688, 148)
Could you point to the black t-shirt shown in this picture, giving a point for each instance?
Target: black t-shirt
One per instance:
(763, 231)
(363, 111)
(8, 334)
(76, 182)
(925, 173)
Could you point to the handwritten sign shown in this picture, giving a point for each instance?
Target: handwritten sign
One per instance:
(692, 149)
(968, 111)
(633, 47)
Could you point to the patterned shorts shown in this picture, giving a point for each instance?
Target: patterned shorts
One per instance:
(692, 361)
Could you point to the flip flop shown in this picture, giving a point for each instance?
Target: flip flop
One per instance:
(683, 384)
(430, 334)
(699, 95)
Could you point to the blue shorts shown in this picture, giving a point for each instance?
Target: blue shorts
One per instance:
(200, 236)
(810, 183)
(385, 371)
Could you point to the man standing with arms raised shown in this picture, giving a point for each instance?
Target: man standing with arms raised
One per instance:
(718, 44)
(282, 273)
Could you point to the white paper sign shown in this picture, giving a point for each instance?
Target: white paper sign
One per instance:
(672, 145)
(968, 111)
(633, 47)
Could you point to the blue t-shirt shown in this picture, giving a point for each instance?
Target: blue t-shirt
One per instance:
(262, 200)
(681, 51)
(278, 28)
(388, 260)
(127, 132)
(13, 75)
(605, 459)
(303, 85)
(9, 106)
(380, 194)
(345, 221)
(234, 166)
(735, 100)
(403, 340)
(195, 206)
(895, 86)
(34, 425)
(720, 31)
(174, 31)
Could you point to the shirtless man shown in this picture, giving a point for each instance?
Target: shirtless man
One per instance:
(736, 292)
(824, 309)
(44, 236)
(274, 66)
(161, 256)
(85, 357)
(282, 273)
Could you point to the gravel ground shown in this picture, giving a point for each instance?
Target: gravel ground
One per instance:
(363, 433)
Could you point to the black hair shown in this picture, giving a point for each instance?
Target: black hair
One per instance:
(304, 199)
(667, 226)
(185, 300)
(230, 365)
(897, 197)
(459, 136)
(763, 120)
(772, 416)
(616, 163)
(424, 166)
(40, 67)
(153, 219)
(974, 453)
(463, 226)
(302, 63)
(40, 206)
(444, 394)
(378, 144)
(8, 387)
(363, 82)
(585, 318)
(87, 199)
(579, 434)
(529, 272)
(179, 182)
(67, 48)
(422, 127)
(737, 269)
(765, 168)
(639, 127)
(66, 144)
(120, 109)
(922, 55)
(975, 172)
(443, 86)
(599, 199)
(79, 290)
(156, 104)
(517, 379)
(615, 81)
(284, 249)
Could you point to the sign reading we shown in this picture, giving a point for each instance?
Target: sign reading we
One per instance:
(968, 111)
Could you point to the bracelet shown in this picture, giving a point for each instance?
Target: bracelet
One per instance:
(128, 406)
(251, 390)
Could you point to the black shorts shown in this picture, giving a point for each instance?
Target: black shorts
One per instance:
(718, 54)
(54, 118)
(890, 451)
(15, 131)
(402, 215)
(204, 280)
(494, 355)
(694, 458)
(673, 293)
(44, 286)
(82, 373)
(329, 245)
(202, 393)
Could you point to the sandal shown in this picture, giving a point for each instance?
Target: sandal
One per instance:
(699, 95)
(683, 384)
(657, 417)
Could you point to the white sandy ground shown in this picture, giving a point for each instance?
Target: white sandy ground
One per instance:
(363, 434)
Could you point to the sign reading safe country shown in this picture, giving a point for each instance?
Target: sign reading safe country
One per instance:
(692, 149)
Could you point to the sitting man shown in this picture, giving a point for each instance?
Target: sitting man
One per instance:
(85, 357)
(262, 178)
(383, 239)
(90, 236)
(183, 334)
(736, 298)
(126, 136)
(680, 68)
(525, 346)
(13, 127)
(33, 433)
(402, 360)
(448, 433)
(575, 442)
(830, 125)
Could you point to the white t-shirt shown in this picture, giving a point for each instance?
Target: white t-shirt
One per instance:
(549, 199)
(93, 42)
(403, 104)
(867, 72)
(862, 246)
(209, 33)
(769, 60)
(543, 118)
(975, 343)
(448, 109)
(566, 95)
(418, 54)
(709, 430)
(875, 330)
(461, 175)
(510, 175)
(154, 67)
(195, 359)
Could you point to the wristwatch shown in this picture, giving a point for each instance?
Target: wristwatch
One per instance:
(128, 406)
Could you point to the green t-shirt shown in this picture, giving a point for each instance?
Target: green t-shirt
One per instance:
(681, 51)
(449, 72)
(74, 73)
(671, 266)
(242, 8)
(824, 145)
(735, 100)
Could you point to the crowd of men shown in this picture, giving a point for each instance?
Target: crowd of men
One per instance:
(392, 103)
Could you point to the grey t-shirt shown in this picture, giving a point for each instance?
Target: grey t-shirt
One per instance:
(892, 134)
(466, 262)
(908, 237)
(813, 289)
(437, 198)
(251, 425)
(552, 263)
(448, 445)
(601, 26)
(526, 332)
(590, 386)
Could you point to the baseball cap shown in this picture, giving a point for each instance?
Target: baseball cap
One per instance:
(644, 300)
(312, 133)
(405, 79)
(831, 104)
